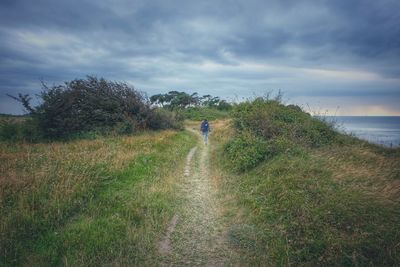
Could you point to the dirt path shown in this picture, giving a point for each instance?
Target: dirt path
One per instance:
(198, 235)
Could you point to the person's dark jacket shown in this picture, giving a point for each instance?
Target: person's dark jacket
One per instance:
(204, 126)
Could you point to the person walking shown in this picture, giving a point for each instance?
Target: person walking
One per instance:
(205, 128)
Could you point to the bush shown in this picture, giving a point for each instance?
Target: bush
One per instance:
(9, 130)
(22, 129)
(270, 119)
(165, 119)
(94, 105)
(85, 105)
(125, 127)
(265, 128)
(246, 151)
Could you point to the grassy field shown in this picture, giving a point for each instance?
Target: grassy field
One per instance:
(288, 192)
(88, 202)
(335, 205)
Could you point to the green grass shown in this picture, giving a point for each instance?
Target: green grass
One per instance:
(304, 217)
(336, 203)
(89, 202)
(306, 197)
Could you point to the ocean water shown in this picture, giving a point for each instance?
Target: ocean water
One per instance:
(382, 130)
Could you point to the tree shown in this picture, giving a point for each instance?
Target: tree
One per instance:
(175, 100)
(224, 105)
(158, 99)
(210, 101)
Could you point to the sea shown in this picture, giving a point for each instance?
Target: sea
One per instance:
(381, 130)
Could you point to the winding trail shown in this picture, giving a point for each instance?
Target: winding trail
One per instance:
(197, 233)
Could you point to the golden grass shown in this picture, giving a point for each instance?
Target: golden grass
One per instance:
(26, 168)
(51, 186)
(23, 166)
(364, 168)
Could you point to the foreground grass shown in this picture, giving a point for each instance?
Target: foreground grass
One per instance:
(335, 205)
(88, 202)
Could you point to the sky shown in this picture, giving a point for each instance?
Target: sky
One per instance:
(330, 57)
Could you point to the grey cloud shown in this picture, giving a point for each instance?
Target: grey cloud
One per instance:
(162, 45)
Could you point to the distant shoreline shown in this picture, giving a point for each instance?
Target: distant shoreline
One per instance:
(380, 130)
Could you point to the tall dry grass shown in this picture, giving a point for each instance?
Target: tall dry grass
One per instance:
(43, 186)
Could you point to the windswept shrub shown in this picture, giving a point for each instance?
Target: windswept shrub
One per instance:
(84, 105)
(92, 104)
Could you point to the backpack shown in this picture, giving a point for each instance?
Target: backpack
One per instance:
(204, 126)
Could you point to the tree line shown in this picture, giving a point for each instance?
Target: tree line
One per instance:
(180, 100)
(92, 104)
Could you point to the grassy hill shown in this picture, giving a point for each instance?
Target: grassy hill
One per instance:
(293, 191)
(301, 194)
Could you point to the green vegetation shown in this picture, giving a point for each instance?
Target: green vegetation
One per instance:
(270, 119)
(88, 105)
(309, 196)
(292, 190)
(91, 107)
(265, 128)
(246, 150)
(17, 128)
(88, 202)
(201, 113)
(180, 100)
(193, 107)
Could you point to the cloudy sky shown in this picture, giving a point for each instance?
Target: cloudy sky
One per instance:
(342, 56)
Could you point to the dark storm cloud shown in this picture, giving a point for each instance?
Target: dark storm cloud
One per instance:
(307, 48)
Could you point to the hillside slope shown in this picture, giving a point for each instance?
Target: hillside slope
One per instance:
(307, 196)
